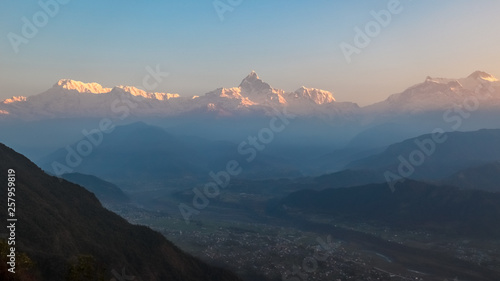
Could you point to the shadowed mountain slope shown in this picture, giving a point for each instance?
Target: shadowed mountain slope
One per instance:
(63, 228)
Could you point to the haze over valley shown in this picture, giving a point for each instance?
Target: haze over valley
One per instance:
(249, 140)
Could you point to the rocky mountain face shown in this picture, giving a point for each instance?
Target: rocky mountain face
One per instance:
(479, 89)
(69, 98)
(254, 98)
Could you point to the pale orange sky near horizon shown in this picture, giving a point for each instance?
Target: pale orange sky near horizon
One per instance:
(289, 44)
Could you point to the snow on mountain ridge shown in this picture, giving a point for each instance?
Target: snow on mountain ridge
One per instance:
(252, 83)
(253, 93)
(471, 80)
(96, 88)
(483, 75)
(252, 96)
(81, 87)
(317, 96)
(231, 93)
(440, 93)
(261, 92)
(14, 99)
(141, 93)
(221, 100)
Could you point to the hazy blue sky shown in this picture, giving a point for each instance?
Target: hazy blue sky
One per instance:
(288, 43)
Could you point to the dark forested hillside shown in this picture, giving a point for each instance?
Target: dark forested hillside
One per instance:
(105, 191)
(435, 157)
(66, 233)
(484, 177)
(413, 205)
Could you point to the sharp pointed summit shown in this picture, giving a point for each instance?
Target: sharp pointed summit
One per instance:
(252, 83)
(252, 96)
(250, 79)
(253, 74)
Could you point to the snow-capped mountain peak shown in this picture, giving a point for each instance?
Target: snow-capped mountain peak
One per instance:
(253, 83)
(441, 94)
(317, 96)
(82, 87)
(95, 88)
(483, 75)
(132, 90)
(252, 76)
(141, 93)
(71, 98)
(229, 93)
(253, 88)
(477, 76)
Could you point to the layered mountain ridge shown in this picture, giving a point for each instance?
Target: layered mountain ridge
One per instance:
(95, 88)
(70, 98)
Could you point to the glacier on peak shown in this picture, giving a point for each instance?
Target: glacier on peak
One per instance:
(440, 93)
(317, 96)
(261, 92)
(148, 95)
(14, 99)
(81, 87)
(476, 76)
(231, 93)
(252, 96)
(72, 98)
(96, 88)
